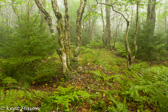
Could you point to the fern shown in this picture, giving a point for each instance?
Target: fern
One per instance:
(152, 83)
(65, 96)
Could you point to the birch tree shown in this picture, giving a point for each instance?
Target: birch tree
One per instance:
(60, 27)
(129, 55)
(80, 13)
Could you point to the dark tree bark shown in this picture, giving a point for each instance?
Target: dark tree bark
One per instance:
(151, 18)
(28, 19)
(151, 15)
(107, 40)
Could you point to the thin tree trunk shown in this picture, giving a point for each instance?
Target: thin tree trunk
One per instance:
(42, 17)
(116, 36)
(2, 14)
(47, 17)
(132, 15)
(136, 30)
(28, 18)
(7, 13)
(165, 23)
(102, 17)
(79, 29)
(15, 11)
(129, 57)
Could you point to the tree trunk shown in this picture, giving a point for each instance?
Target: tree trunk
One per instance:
(102, 17)
(132, 15)
(129, 57)
(62, 51)
(136, 30)
(151, 18)
(116, 36)
(67, 33)
(28, 18)
(151, 15)
(61, 39)
(47, 17)
(108, 26)
(15, 11)
(79, 29)
(7, 13)
(1, 11)
(42, 16)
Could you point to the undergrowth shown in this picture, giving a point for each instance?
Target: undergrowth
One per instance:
(110, 87)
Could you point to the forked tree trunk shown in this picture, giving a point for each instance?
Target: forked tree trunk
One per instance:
(79, 29)
(61, 39)
(62, 51)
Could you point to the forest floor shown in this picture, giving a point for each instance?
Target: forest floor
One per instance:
(97, 75)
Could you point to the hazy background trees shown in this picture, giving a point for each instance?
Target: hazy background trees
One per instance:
(41, 27)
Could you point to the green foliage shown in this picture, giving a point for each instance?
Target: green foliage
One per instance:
(95, 44)
(5, 32)
(139, 66)
(120, 107)
(98, 74)
(9, 80)
(150, 85)
(21, 98)
(99, 106)
(63, 97)
(90, 56)
(150, 47)
(120, 46)
(45, 71)
(26, 48)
